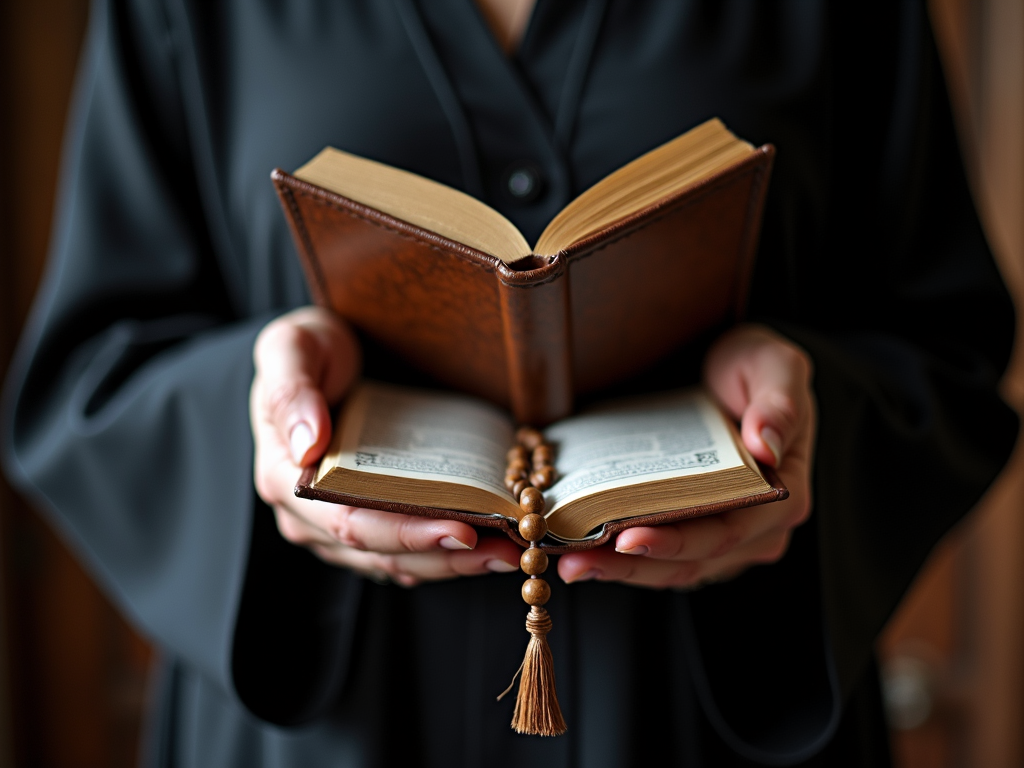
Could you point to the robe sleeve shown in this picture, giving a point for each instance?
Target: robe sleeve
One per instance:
(900, 306)
(126, 411)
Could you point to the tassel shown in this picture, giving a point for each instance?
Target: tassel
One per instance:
(537, 712)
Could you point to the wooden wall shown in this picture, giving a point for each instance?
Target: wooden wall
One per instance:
(959, 636)
(74, 671)
(72, 677)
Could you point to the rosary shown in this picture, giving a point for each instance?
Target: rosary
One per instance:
(530, 471)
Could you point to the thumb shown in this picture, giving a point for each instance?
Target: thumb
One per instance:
(779, 405)
(768, 427)
(763, 380)
(295, 361)
(302, 421)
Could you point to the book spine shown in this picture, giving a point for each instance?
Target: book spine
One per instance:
(538, 343)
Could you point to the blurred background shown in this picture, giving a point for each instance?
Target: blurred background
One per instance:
(73, 673)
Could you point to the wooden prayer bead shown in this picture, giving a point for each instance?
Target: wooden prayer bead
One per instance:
(529, 437)
(536, 591)
(517, 465)
(532, 527)
(543, 455)
(542, 477)
(518, 488)
(511, 480)
(517, 452)
(531, 501)
(534, 561)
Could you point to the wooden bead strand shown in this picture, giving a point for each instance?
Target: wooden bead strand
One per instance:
(531, 462)
(537, 711)
(536, 591)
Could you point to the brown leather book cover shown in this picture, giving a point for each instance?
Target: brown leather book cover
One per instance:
(531, 337)
(305, 489)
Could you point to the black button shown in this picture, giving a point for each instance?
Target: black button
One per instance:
(523, 182)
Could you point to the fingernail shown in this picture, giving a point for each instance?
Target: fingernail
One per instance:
(593, 573)
(300, 441)
(773, 440)
(450, 542)
(637, 550)
(500, 566)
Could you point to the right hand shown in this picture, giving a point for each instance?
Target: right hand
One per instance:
(305, 361)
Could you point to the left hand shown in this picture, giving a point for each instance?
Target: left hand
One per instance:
(764, 382)
(305, 361)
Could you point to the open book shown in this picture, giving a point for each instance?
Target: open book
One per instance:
(637, 461)
(650, 257)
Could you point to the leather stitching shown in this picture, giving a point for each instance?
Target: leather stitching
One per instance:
(307, 244)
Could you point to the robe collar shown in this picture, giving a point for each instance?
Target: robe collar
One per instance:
(489, 98)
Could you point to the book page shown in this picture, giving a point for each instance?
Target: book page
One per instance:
(424, 435)
(696, 155)
(639, 440)
(412, 198)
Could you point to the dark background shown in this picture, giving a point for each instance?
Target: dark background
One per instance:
(73, 673)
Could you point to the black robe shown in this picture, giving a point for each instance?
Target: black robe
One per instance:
(127, 404)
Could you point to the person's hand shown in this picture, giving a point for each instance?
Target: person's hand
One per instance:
(764, 381)
(305, 361)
